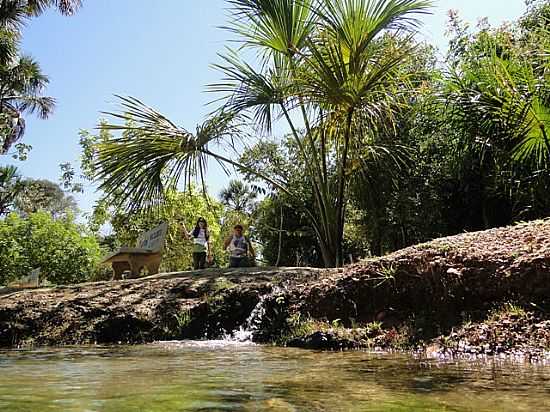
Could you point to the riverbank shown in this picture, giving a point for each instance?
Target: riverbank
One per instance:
(484, 293)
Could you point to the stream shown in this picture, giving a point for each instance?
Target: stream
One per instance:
(239, 376)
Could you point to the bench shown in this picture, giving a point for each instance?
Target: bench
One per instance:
(147, 254)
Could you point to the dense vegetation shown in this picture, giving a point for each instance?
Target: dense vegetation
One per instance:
(58, 247)
(387, 145)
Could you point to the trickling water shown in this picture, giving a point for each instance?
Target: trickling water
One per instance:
(246, 331)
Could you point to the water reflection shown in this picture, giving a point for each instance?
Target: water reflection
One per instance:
(217, 376)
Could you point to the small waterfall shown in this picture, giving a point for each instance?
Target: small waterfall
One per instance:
(246, 331)
(241, 336)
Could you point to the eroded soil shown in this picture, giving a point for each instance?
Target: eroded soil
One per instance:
(482, 293)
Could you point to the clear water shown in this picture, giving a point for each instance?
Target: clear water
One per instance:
(217, 376)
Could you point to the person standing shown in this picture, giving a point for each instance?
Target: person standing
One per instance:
(201, 243)
(240, 248)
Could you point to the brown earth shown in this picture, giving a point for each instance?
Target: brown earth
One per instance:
(475, 293)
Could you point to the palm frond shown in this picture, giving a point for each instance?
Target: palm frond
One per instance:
(148, 158)
(328, 77)
(9, 42)
(534, 140)
(243, 88)
(152, 155)
(13, 14)
(504, 105)
(65, 7)
(356, 23)
(42, 106)
(281, 26)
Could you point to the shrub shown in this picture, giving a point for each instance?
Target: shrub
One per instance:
(59, 247)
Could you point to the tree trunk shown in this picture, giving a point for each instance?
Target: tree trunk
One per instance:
(376, 244)
(280, 239)
(328, 252)
(340, 200)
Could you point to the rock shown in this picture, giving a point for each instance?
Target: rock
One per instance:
(322, 341)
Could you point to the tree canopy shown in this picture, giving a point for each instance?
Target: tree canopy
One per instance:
(334, 64)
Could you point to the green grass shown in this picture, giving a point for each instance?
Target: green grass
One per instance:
(183, 318)
(222, 283)
(507, 310)
(374, 328)
(299, 327)
(386, 274)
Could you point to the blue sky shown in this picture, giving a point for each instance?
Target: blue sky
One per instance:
(160, 54)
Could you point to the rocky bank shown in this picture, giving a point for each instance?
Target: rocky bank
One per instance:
(483, 293)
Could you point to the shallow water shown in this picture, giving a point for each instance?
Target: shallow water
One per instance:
(217, 376)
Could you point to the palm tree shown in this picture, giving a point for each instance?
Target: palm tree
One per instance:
(65, 7)
(10, 187)
(509, 99)
(14, 13)
(238, 196)
(21, 80)
(21, 87)
(328, 69)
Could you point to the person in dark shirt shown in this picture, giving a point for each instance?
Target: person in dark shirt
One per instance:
(240, 247)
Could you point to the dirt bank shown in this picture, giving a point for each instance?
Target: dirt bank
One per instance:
(481, 293)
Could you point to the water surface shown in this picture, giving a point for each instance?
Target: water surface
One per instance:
(217, 376)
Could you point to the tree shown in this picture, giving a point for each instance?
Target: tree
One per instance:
(15, 13)
(181, 209)
(285, 234)
(44, 196)
(22, 82)
(21, 85)
(332, 64)
(498, 96)
(381, 203)
(10, 187)
(238, 196)
(60, 248)
(281, 223)
(335, 62)
(507, 95)
(65, 7)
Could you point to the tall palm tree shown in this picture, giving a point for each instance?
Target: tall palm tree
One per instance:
(21, 80)
(21, 86)
(327, 68)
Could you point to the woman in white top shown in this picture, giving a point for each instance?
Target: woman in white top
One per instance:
(201, 243)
